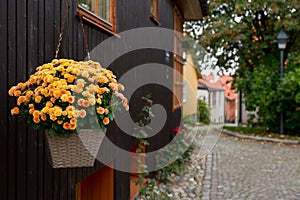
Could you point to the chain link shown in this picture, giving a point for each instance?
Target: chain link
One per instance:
(62, 31)
(86, 46)
(62, 28)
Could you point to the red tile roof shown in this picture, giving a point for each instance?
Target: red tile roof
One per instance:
(223, 83)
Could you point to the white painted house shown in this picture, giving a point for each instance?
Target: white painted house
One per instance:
(212, 92)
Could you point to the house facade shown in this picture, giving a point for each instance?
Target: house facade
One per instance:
(190, 85)
(212, 92)
(231, 100)
(29, 33)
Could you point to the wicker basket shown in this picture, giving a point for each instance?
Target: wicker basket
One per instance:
(78, 150)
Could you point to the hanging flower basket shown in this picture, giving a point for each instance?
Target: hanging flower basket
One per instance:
(78, 150)
(66, 97)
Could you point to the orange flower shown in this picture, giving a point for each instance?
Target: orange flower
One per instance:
(52, 99)
(36, 113)
(73, 121)
(21, 86)
(53, 117)
(75, 71)
(32, 80)
(103, 80)
(64, 98)
(56, 94)
(49, 104)
(44, 117)
(44, 92)
(15, 111)
(80, 84)
(92, 101)
(38, 99)
(59, 122)
(106, 111)
(63, 91)
(80, 102)
(66, 125)
(71, 79)
(72, 126)
(17, 93)
(57, 112)
(105, 121)
(70, 108)
(21, 99)
(85, 74)
(82, 113)
(51, 87)
(31, 110)
(71, 99)
(51, 92)
(31, 105)
(76, 113)
(12, 90)
(85, 103)
(36, 120)
(29, 93)
(100, 110)
(70, 114)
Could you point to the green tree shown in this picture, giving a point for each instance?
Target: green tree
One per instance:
(289, 95)
(242, 35)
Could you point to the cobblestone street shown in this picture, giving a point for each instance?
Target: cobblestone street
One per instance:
(250, 170)
(238, 169)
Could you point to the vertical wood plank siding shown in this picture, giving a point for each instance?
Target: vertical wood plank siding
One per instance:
(29, 31)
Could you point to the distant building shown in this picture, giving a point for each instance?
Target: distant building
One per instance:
(230, 100)
(212, 92)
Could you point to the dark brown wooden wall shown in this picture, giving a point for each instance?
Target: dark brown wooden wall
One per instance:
(29, 32)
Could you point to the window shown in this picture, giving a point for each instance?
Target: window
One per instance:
(154, 10)
(99, 12)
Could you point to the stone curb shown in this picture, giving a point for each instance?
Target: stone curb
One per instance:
(231, 133)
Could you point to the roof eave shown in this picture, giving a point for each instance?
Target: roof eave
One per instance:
(193, 10)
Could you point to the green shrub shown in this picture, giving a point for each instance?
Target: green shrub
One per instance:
(204, 113)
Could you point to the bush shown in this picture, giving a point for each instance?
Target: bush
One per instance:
(204, 113)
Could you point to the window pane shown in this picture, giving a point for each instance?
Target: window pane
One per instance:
(104, 9)
(152, 7)
(87, 4)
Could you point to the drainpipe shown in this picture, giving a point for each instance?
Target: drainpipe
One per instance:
(240, 108)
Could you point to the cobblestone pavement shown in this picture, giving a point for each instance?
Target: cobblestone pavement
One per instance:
(238, 169)
(228, 168)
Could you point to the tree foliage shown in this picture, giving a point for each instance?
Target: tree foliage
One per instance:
(242, 35)
(204, 113)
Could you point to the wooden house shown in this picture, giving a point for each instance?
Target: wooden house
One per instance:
(29, 31)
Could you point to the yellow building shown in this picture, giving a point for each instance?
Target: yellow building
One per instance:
(190, 85)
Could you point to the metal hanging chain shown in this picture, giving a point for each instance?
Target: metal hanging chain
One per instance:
(86, 46)
(62, 28)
